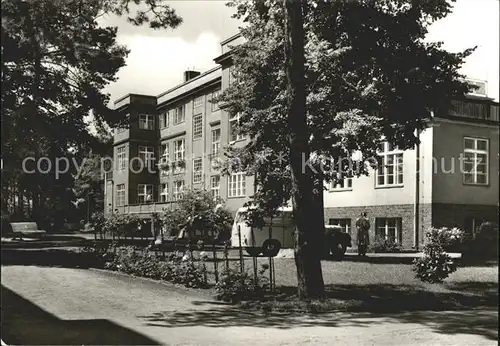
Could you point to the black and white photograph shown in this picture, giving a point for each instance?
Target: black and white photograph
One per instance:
(250, 172)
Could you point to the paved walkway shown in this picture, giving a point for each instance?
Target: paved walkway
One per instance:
(43, 305)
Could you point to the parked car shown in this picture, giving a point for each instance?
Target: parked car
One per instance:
(337, 241)
(278, 233)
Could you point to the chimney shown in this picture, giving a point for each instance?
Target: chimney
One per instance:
(188, 75)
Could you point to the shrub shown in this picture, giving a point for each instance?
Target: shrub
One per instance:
(190, 274)
(144, 263)
(199, 216)
(382, 245)
(235, 285)
(436, 265)
(96, 255)
(450, 238)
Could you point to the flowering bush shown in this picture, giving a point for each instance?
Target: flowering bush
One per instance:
(449, 238)
(96, 255)
(382, 245)
(235, 285)
(436, 265)
(142, 262)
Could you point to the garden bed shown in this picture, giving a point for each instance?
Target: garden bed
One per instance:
(361, 286)
(350, 286)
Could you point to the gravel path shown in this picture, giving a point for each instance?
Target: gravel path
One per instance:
(43, 305)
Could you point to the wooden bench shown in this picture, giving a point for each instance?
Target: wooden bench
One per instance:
(26, 229)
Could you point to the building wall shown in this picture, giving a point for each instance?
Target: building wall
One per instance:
(365, 192)
(460, 215)
(448, 185)
(390, 202)
(194, 148)
(403, 211)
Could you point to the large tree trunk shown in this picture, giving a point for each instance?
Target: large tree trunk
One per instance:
(307, 217)
(320, 205)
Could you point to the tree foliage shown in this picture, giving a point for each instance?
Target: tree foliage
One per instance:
(368, 73)
(56, 61)
(199, 215)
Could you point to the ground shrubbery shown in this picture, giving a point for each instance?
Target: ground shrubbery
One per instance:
(235, 284)
(436, 265)
(176, 268)
(484, 245)
(382, 245)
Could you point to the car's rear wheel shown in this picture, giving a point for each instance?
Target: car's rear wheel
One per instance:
(271, 247)
(338, 250)
(253, 251)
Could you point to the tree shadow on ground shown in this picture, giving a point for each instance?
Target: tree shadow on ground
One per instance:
(67, 257)
(24, 323)
(43, 257)
(387, 259)
(357, 306)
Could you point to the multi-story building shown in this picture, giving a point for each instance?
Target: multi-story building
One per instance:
(180, 134)
(450, 179)
(174, 141)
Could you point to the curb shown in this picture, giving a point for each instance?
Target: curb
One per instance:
(196, 292)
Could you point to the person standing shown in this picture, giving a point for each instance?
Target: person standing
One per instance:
(362, 226)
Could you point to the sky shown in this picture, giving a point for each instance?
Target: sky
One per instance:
(158, 59)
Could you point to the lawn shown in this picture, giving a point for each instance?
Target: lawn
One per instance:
(351, 285)
(364, 286)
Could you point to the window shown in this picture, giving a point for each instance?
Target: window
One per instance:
(344, 184)
(164, 120)
(120, 195)
(146, 122)
(197, 170)
(163, 193)
(179, 150)
(234, 134)
(215, 142)
(146, 155)
(178, 115)
(197, 126)
(164, 153)
(215, 105)
(344, 223)
(215, 186)
(121, 155)
(236, 187)
(144, 193)
(475, 166)
(388, 229)
(197, 102)
(178, 189)
(391, 171)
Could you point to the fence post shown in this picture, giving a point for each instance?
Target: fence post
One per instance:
(254, 258)
(226, 254)
(216, 265)
(242, 262)
(271, 260)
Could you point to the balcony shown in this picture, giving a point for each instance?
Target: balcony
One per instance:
(156, 207)
(475, 110)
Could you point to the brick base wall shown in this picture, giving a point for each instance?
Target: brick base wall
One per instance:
(456, 215)
(430, 215)
(403, 211)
